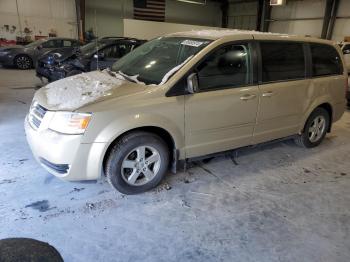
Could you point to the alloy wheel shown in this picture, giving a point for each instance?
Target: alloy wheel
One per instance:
(23, 62)
(140, 165)
(317, 128)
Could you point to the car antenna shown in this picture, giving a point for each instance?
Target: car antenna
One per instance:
(97, 66)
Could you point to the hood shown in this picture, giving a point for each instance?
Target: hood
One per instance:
(72, 93)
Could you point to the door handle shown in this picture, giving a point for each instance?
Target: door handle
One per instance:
(247, 97)
(267, 94)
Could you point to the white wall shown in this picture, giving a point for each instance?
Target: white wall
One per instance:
(40, 16)
(242, 15)
(342, 26)
(148, 29)
(309, 9)
(110, 14)
(299, 9)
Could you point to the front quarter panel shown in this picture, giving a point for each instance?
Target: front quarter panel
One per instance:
(146, 111)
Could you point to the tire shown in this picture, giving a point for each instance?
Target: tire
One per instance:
(74, 72)
(313, 135)
(23, 62)
(127, 168)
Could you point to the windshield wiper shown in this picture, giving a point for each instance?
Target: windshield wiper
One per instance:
(114, 74)
(129, 78)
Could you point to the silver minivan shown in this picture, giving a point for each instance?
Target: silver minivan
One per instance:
(186, 95)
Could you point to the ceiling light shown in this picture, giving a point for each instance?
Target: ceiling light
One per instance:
(197, 2)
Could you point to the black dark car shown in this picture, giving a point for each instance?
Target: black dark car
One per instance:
(25, 57)
(95, 55)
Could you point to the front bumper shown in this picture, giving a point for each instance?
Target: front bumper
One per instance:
(50, 73)
(65, 156)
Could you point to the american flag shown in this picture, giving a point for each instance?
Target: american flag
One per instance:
(153, 10)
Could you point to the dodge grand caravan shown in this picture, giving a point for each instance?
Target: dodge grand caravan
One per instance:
(186, 95)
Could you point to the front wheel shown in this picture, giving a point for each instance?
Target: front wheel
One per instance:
(137, 163)
(315, 129)
(23, 62)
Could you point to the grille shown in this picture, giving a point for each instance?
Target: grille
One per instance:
(36, 115)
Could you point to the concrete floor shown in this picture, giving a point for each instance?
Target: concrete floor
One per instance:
(275, 202)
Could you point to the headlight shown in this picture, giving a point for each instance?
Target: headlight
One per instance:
(70, 123)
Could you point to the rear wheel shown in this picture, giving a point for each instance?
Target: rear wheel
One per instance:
(23, 62)
(137, 163)
(315, 129)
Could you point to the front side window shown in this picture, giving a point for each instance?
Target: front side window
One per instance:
(224, 68)
(154, 59)
(282, 61)
(325, 60)
(67, 43)
(110, 51)
(52, 44)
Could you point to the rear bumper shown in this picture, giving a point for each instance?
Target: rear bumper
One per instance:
(64, 155)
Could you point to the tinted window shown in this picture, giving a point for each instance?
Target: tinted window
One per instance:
(52, 44)
(225, 67)
(123, 49)
(346, 49)
(325, 60)
(110, 51)
(67, 43)
(282, 61)
(75, 43)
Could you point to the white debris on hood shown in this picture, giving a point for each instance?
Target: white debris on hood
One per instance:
(75, 91)
(133, 78)
(174, 70)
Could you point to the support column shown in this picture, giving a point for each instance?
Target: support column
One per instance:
(224, 12)
(333, 18)
(265, 16)
(80, 14)
(327, 17)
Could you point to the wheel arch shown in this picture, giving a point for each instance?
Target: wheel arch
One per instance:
(161, 132)
(325, 105)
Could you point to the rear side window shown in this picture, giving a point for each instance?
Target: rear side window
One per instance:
(325, 60)
(282, 61)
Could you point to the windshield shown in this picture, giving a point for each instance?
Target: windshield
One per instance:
(153, 60)
(36, 43)
(90, 48)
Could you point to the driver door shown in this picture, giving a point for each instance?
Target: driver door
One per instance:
(221, 115)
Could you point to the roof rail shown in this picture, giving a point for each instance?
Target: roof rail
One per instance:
(118, 37)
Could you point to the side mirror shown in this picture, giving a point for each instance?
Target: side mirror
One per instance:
(192, 83)
(39, 47)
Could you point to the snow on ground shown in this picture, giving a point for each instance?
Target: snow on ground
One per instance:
(276, 202)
